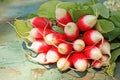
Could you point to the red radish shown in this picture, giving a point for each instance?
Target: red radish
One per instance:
(92, 52)
(64, 48)
(71, 31)
(45, 31)
(41, 58)
(62, 17)
(104, 47)
(92, 37)
(41, 22)
(54, 38)
(53, 55)
(86, 22)
(42, 32)
(97, 64)
(64, 64)
(39, 46)
(36, 33)
(78, 45)
(104, 57)
(80, 61)
(105, 60)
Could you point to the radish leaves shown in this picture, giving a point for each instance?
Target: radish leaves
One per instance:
(47, 9)
(104, 26)
(22, 27)
(101, 10)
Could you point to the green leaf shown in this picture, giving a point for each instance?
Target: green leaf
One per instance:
(115, 45)
(114, 55)
(92, 2)
(48, 9)
(111, 69)
(22, 27)
(113, 34)
(58, 29)
(32, 15)
(100, 9)
(104, 26)
(115, 18)
(81, 11)
(67, 5)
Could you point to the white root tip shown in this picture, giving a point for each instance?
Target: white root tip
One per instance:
(60, 13)
(90, 20)
(63, 64)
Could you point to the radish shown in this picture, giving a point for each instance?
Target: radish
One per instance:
(64, 63)
(80, 61)
(64, 48)
(92, 37)
(62, 17)
(92, 52)
(45, 31)
(40, 33)
(86, 22)
(39, 46)
(97, 64)
(105, 60)
(41, 58)
(53, 55)
(41, 22)
(71, 31)
(54, 38)
(36, 33)
(78, 45)
(104, 47)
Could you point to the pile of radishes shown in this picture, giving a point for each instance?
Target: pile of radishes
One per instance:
(80, 47)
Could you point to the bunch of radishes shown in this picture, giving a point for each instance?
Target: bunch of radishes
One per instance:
(79, 47)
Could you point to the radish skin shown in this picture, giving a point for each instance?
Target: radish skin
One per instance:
(92, 52)
(105, 60)
(35, 33)
(53, 55)
(78, 45)
(97, 64)
(54, 38)
(64, 64)
(41, 58)
(71, 31)
(39, 46)
(86, 22)
(64, 48)
(92, 37)
(104, 47)
(80, 61)
(62, 17)
(41, 22)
